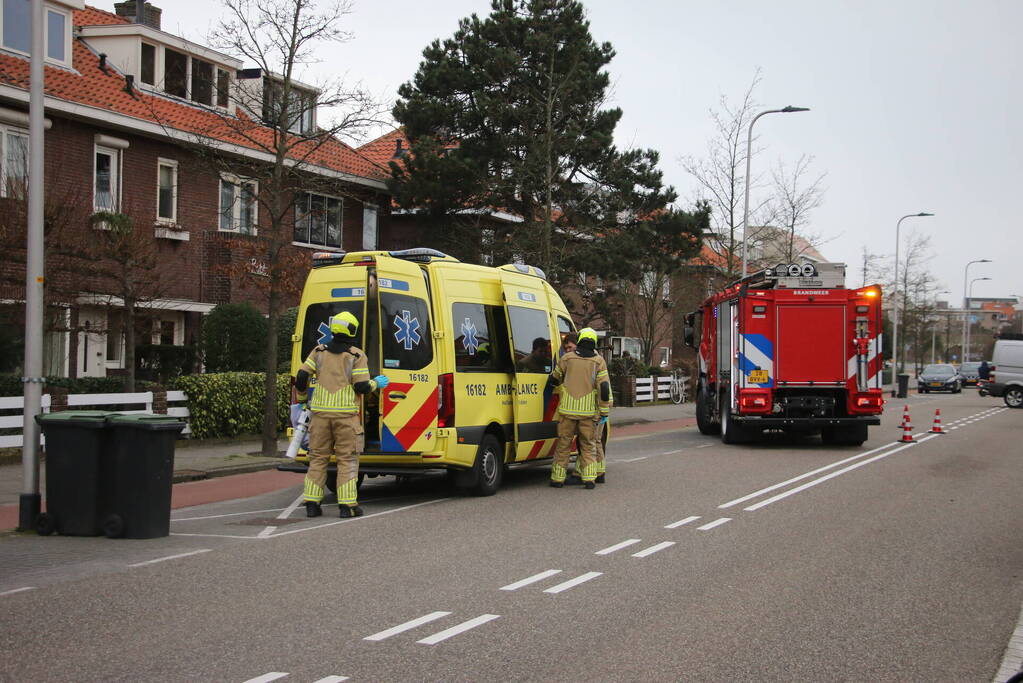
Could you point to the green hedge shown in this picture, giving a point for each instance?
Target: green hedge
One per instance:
(228, 404)
(10, 385)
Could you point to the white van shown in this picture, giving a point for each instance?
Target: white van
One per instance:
(1007, 370)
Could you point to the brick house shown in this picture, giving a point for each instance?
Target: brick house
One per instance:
(127, 109)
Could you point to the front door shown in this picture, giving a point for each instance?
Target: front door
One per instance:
(530, 326)
(408, 406)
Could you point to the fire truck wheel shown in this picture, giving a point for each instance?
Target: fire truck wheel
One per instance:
(731, 432)
(704, 421)
(488, 470)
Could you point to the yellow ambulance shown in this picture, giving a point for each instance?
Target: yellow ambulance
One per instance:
(468, 350)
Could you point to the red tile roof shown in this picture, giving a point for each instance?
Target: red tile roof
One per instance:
(87, 85)
(381, 150)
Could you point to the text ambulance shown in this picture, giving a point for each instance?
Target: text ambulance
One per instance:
(468, 351)
(789, 348)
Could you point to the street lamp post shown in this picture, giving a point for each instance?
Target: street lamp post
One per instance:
(749, 151)
(966, 306)
(895, 301)
(966, 350)
(934, 328)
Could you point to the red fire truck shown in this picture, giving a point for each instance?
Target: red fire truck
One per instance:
(789, 348)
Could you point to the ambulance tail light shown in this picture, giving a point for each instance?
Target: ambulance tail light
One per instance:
(446, 401)
(755, 400)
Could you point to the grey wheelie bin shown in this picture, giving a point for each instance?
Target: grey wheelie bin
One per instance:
(76, 471)
(137, 502)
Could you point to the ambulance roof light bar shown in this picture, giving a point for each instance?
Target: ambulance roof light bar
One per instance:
(420, 255)
(327, 258)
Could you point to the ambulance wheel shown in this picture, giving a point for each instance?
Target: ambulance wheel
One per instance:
(488, 470)
(704, 421)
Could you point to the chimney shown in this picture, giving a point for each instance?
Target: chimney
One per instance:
(129, 9)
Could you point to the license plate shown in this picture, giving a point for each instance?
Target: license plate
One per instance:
(758, 376)
(935, 384)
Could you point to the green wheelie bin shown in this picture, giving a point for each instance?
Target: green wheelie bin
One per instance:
(76, 471)
(137, 502)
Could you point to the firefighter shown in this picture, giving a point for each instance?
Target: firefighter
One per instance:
(341, 374)
(583, 409)
(568, 343)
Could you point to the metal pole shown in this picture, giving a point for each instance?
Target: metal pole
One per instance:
(30, 499)
(969, 330)
(749, 153)
(895, 303)
(966, 310)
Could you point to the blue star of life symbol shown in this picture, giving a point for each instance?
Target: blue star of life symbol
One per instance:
(325, 334)
(469, 341)
(406, 330)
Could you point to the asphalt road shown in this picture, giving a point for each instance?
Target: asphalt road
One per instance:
(697, 561)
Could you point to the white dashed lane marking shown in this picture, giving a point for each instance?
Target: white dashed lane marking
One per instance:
(408, 625)
(460, 628)
(681, 522)
(654, 548)
(171, 557)
(530, 579)
(571, 583)
(715, 523)
(618, 546)
(267, 677)
(18, 590)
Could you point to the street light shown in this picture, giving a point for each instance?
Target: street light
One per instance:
(895, 301)
(749, 150)
(934, 333)
(966, 351)
(966, 306)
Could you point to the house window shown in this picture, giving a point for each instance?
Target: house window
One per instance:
(107, 179)
(14, 162)
(301, 107)
(167, 190)
(17, 20)
(318, 220)
(148, 69)
(238, 205)
(167, 332)
(650, 284)
(175, 73)
(56, 32)
(202, 82)
(369, 227)
(115, 338)
(223, 85)
(665, 357)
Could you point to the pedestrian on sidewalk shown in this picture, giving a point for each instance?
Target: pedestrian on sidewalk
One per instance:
(341, 374)
(583, 409)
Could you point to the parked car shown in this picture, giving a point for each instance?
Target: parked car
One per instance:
(939, 377)
(969, 372)
(1007, 370)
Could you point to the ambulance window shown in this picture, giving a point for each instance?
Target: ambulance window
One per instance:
(316, 326)
(406, 339)
(531, 337)
(565, 327)
(480, 338)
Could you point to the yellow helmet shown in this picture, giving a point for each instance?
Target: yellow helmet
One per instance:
(588, 333)
(345, 324)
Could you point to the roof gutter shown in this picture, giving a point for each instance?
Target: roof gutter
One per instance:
(130, 124)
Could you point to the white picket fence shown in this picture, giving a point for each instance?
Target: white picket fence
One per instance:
(144, 399)
(645, 388)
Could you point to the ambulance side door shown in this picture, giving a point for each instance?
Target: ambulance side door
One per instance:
(530, 325)
(408, 405)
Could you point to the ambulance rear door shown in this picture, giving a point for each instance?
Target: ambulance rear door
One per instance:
(341, 288)
(531, 327)
(408, 406)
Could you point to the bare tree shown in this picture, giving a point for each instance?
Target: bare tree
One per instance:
(797, 192)
(276, 118)
(721, 177)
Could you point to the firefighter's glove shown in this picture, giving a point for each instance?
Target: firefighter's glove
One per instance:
(381, 381)
(601, 422)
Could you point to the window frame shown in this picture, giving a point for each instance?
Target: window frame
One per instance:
(239, 183)
(157, 62)
(172, 164)
(47, 9)
(367, 211)
(308, 233)
(5, 132)
(115, 177)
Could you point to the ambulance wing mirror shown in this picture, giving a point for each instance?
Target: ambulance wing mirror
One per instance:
(689, 330)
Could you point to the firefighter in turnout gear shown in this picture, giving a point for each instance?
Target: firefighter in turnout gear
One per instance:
(342, 376)
(583, 409)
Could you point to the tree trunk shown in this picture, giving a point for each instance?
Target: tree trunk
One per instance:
(129, 344)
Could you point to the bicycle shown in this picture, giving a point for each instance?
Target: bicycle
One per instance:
(678, 391)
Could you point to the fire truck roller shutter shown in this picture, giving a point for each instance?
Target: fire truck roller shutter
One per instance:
(812, 344)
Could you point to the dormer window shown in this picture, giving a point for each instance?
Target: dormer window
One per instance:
(16, 30)
(301, 108)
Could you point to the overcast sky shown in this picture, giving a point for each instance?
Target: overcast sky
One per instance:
(916, 104)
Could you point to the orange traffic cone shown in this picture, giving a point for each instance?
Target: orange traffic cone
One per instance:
(936, 429)
(907, 427)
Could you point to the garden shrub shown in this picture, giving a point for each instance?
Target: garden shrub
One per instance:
(228, 404)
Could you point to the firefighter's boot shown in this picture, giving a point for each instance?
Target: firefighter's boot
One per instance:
(313, 509)
(589, 485)
(600, 478)
(345, 511)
